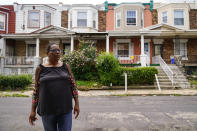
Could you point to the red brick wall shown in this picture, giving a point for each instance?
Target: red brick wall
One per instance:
(110, 19)
(12, 17)
(100, 45)
(168, 49)
(137, 47)
(193, 18)
(101, 21)
(111, 44)
(64, 19)
(147, 16)
(154, 17)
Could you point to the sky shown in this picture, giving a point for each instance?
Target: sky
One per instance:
(7, 2)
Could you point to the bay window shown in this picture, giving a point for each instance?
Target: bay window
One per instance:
(47, 19)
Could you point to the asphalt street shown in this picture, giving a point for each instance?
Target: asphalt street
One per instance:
(112, 113)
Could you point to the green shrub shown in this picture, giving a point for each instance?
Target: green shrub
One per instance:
(138, 75)
(15, 82)
(108, 68)
(82, 61)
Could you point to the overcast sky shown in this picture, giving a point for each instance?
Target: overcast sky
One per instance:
(5, 2)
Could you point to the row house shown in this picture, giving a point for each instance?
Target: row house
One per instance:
(7, 26)
(140, 32)
(37, 25)
(134, 32)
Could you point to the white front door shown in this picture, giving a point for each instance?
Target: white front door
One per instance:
(147, 52)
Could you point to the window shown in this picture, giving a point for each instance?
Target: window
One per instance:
(47, 18)
(131, 17)
(123, 49)
(118, 19)
(2, 22)
(178, 17)
(164, 17)
(33, 19)
(31, 49)
(180, 49)
(81, 19)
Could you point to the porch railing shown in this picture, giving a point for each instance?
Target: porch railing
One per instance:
(129, 59)
(165, 68)
(18, 60)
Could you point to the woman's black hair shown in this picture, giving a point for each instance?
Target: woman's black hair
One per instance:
(49, 47)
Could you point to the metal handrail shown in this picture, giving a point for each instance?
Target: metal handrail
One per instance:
(166, 69)
(157, 83)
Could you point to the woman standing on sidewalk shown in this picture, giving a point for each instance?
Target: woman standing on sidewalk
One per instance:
(54, 89)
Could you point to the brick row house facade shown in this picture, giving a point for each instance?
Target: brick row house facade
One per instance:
(133, 32)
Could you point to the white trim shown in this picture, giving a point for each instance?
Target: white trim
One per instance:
(126, 18)
(182, 41)
(131, 48)
(116, 23)
(4, 14)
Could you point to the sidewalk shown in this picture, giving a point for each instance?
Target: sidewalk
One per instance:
(139, 92)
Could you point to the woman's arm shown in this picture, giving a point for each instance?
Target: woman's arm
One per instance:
(74, 92)
(35, 97)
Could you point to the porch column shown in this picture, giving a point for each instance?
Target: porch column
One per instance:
(72, 43)
(3, 54)
(37, 57)
(37, 47)
(107, 43)
(142, 56)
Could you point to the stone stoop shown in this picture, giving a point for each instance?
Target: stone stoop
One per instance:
(181, 79)
(164, 81)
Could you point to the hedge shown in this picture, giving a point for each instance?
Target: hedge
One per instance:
(137, 75)
(15, 82)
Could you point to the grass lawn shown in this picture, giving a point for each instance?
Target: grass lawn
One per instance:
(193, 83)
(87, 85)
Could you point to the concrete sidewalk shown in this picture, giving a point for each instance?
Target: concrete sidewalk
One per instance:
(139, 92)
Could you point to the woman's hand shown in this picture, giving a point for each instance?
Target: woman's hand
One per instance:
(76, 110)
(32, 118)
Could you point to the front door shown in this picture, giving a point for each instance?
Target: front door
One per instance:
(147, 52)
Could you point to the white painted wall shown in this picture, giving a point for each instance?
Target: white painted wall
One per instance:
(22, 17)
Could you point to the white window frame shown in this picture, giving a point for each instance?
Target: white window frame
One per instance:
(131, 46)
(4, 15)
(126, 17)
(183, 16)
(182, 41)
(30, 11)
(45, 19)
(83, 19)
(118, 13)
(165, 16)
